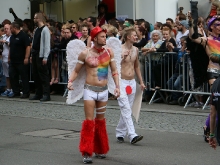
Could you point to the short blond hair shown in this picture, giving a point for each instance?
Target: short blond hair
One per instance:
(112, 30)
(127, 31)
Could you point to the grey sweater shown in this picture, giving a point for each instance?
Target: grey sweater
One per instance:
(44, 43)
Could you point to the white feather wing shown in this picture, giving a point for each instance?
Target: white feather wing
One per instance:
(115, 45)
(73, 49)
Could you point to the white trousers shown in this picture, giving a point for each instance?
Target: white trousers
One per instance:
(125, 101)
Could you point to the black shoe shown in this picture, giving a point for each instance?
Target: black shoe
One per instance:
(35, 97)
(206, 134)
(136, 139)
(24, 96)
(120, 139)
(45, 98)
(174, 102)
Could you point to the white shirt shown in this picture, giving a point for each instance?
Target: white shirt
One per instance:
(178, 36)
(5, 48)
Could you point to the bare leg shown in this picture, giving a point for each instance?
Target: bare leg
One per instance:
(8, 84)
(56, 69)
(52, 73)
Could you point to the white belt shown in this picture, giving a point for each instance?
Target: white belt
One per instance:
(213, 70)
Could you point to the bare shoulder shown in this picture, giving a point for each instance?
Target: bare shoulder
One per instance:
(135, 50)
(109, 50)
(83, 54)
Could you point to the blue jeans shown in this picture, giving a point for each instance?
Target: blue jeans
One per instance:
(175, 83)
(64, 76)
(2, 79)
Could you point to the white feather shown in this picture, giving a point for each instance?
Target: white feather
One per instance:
(115, 45)
(73, 49)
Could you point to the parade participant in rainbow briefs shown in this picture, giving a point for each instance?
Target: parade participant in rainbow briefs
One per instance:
(96, 62)
(212, 48)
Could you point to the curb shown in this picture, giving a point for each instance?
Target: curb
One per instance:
(195, 113)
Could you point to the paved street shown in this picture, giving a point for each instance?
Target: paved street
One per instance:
(34, 133)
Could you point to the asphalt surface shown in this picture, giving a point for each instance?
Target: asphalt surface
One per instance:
(35, 133)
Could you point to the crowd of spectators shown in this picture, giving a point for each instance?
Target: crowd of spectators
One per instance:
(167, 36)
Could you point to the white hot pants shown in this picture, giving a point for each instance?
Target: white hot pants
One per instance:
(5, 68)
(97, 96)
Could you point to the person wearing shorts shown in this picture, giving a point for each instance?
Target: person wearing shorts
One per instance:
(94, 138)
(5, 66)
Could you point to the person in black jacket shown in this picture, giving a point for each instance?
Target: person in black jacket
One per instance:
(141, 36)
(68, 36)
(163, 70)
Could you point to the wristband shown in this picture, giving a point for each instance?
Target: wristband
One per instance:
(70, 81)
(211, 135)
(117, 86)
(114, 74)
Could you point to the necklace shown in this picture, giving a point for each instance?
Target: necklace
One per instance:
(130, 52)
(215, 38)
(99, 50)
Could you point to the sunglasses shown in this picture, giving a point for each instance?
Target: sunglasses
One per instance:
(217, 24)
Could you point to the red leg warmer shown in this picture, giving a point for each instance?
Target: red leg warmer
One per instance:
(101, 145)
(87, 137)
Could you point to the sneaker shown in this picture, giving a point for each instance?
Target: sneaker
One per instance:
(87, 159)
(4, 94)
(101, 156)
(136, 139)
(120, 139)
(12, 94)
(199, 105)
(193, 104)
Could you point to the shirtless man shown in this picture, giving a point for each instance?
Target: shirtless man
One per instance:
(129, 66)
(212, 47)
(94, 136)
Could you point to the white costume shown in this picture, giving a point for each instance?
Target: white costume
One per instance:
(5, 53)
(125, 101)
(74, 48)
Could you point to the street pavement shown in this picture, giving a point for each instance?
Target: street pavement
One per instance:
(36, 133)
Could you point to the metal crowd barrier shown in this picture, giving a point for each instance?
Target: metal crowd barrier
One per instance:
(204, 89)
(60, 56)
(160, 67)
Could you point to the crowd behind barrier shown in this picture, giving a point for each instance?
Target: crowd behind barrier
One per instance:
(163, 75)
(160, 77)
(167, 77)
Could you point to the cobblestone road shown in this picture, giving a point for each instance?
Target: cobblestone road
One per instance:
(184, 123)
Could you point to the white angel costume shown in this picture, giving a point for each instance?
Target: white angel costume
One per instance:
(74, 48)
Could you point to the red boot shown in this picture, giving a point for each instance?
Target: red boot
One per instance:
(101, 146)
(87, 138)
